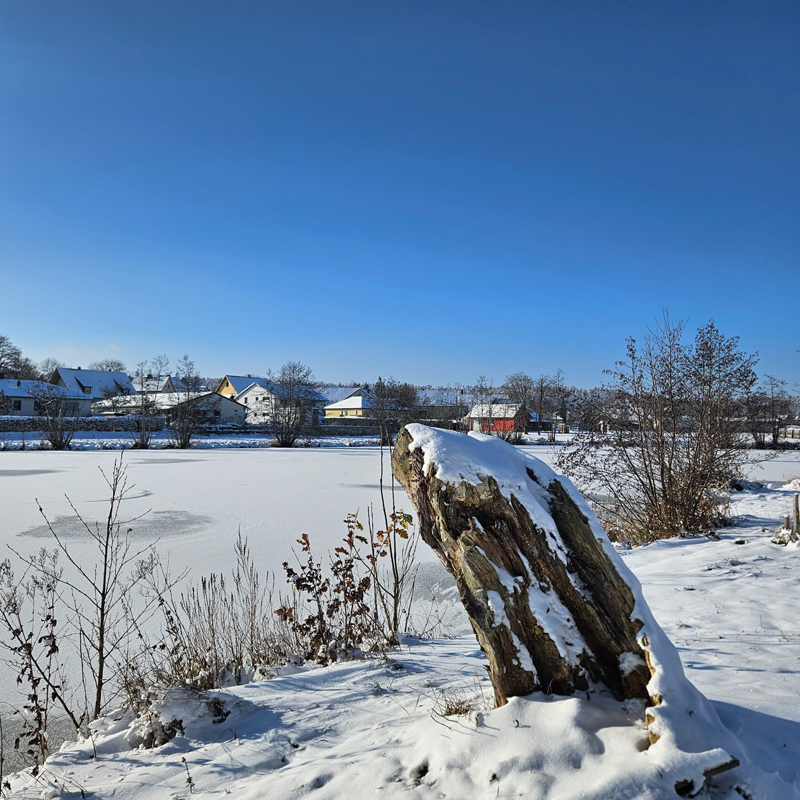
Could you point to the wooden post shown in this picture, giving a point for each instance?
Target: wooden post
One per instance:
(796, 516)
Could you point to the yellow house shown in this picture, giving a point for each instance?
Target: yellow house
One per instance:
(357, 405)
(232, 385)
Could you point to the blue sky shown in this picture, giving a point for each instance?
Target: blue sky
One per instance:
(428, 190)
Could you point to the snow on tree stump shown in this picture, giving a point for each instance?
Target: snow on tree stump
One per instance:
(552, 604)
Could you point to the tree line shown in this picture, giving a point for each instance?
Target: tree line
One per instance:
(764, 406)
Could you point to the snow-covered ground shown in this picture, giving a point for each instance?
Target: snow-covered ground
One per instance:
(377, 729)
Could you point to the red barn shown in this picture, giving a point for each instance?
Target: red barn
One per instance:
(499, 418)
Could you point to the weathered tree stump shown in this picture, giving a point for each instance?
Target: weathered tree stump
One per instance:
(551, 603)
(549, 608)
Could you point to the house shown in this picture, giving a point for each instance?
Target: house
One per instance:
(18, 398)
(498, 417)
(93, 383)
(258, 401)
(157, 384)
(358, 404)
(443, 407)
(261, 396)
(333, 394)
(233, 385)
(212, 408)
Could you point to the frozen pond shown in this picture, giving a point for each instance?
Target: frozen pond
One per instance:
(195, 501)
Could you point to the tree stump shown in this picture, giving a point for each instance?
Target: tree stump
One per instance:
(552, 604)
(547, 604)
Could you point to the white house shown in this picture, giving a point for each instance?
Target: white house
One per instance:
(258, 401)
(261, 396)
(18, 398)
(93, 383)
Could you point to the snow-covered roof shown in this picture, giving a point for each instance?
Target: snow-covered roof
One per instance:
(15, 388)
(198, 397)
(333, 394)
(97, 381)
(242, 382)
(494, 410)
(355, 401)
(161, 400)
(255, 383)
(154, 383)
(444, 396)
(306, 392)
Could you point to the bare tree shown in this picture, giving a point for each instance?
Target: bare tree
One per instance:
(13, 364)
(293, 402)
(159, 365)
(394, 404)
(777, 405)
(59, 413)
(483, 394)
(97, 603)
(520, 388)
(185, 416)
(586, 407)
(758, 418)
(48, 366)
(9, 355)
(674, 419)
(447, 408)
(108, 365)
(145, 413)
(558, 393)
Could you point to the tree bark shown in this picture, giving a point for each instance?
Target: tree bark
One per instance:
(548, 607)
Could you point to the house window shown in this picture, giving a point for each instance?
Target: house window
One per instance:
(17, 405)
(343, 413)
(87, 389)
(245, 401)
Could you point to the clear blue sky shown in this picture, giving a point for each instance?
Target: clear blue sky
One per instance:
(431, 190)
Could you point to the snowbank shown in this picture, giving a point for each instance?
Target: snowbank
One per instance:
(377, 729)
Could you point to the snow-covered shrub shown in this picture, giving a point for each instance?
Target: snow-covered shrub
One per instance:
(673, 433)
(150, 730)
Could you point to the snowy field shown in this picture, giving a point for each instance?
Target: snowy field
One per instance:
(370, 729)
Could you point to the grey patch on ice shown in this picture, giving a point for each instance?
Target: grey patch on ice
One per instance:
(155, 525)
(361, 486)
(22, 473)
